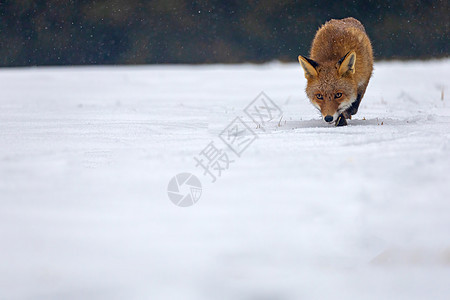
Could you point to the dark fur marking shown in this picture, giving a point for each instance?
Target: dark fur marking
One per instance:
(341, 121)
(355, 105)
(351, 63)
(342, 58)
(306, 69)
(313, 63)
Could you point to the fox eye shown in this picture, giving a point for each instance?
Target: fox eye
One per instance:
(338, 95)
(319, 96)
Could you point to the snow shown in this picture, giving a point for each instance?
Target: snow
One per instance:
(309, 211)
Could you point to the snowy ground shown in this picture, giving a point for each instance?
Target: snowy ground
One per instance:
(309, 211)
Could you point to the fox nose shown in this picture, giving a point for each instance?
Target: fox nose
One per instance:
(328, 118)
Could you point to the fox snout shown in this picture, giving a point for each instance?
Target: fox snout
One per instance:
(337, 119)
(328, 118)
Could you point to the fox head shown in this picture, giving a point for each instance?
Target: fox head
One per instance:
(331, 86)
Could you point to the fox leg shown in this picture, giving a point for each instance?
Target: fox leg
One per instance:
(354, 108)
(341, 121)
(347, 114)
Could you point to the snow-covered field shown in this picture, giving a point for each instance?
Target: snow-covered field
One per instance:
(309, 211)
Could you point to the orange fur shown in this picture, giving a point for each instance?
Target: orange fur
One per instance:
(339, 68)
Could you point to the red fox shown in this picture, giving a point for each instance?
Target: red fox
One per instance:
(339, 69)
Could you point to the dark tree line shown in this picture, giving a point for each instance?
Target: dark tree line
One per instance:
(56, 32)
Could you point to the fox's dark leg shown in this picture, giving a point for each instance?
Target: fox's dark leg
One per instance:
(347, 114)
(341, 120)
(353, 109)
(355, 105)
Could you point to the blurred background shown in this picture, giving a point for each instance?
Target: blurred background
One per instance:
(57, 32)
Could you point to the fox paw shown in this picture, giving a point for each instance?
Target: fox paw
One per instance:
(341, 121)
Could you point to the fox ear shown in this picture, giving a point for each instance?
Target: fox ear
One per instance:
(308, 65)
(347, 63)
